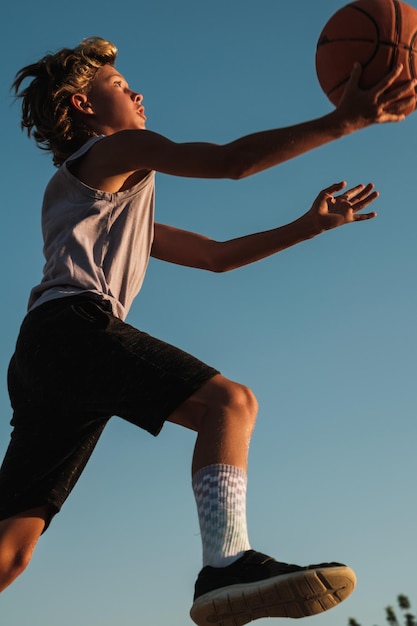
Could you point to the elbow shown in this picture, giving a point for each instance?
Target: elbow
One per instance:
(240, 170)
(219, 269)
(216, 266)
(216, 260)
(221, 265)
(238, 164)
(242, 173)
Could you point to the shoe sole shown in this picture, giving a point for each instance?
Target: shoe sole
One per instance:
(295, 595)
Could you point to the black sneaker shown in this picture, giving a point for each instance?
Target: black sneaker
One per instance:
(257, 586)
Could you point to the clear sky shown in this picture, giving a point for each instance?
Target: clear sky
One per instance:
(324, 333)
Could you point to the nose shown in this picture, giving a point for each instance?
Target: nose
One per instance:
(136, 97)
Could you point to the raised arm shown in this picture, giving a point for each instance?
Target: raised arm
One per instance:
(328, 211)
(128, 151)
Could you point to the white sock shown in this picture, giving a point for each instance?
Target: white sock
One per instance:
(220, 494)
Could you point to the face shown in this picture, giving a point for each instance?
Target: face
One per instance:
(113, 106)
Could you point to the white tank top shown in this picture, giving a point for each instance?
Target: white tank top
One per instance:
(94, 241)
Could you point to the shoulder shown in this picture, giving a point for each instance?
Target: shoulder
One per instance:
(103, 163)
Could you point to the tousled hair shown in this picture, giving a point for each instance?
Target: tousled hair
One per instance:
(46, 108)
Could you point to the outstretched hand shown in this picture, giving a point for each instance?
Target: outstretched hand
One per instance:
(329, 210)
(381, 103)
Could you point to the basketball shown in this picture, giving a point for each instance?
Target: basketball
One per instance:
(376, 33)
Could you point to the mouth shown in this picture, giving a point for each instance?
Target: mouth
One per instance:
(141, 112)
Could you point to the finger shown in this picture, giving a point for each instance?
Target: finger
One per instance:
(388, 80)
(404, 91)
(400, 108)
(355, 74)
(392, 117)
(359, 192)
(361, 204)
(364, 216)
(350, 193)
(334, 188)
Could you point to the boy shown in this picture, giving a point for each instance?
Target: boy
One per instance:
(77, 362)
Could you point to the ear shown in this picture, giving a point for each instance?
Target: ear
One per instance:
(80, 102)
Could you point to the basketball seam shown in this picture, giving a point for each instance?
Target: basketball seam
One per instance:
(411, 56)
(397, 29)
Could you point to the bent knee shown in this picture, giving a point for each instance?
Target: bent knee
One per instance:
(219, 397)
(244, 398)
(20, 559)
(237, 398)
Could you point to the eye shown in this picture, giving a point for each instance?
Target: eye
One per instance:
(118, 82)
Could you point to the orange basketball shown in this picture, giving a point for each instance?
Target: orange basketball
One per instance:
(376, 33)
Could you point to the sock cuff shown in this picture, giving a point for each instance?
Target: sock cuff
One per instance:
(217, 472)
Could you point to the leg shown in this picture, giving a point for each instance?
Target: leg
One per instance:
(18, 537)
(254, 585)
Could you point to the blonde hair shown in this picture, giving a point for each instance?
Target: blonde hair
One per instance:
(46, 107)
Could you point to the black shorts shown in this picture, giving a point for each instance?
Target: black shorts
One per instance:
(74, 367)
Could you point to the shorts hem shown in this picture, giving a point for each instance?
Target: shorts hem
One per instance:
(52, 510)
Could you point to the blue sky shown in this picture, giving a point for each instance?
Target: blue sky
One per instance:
(324, 333)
